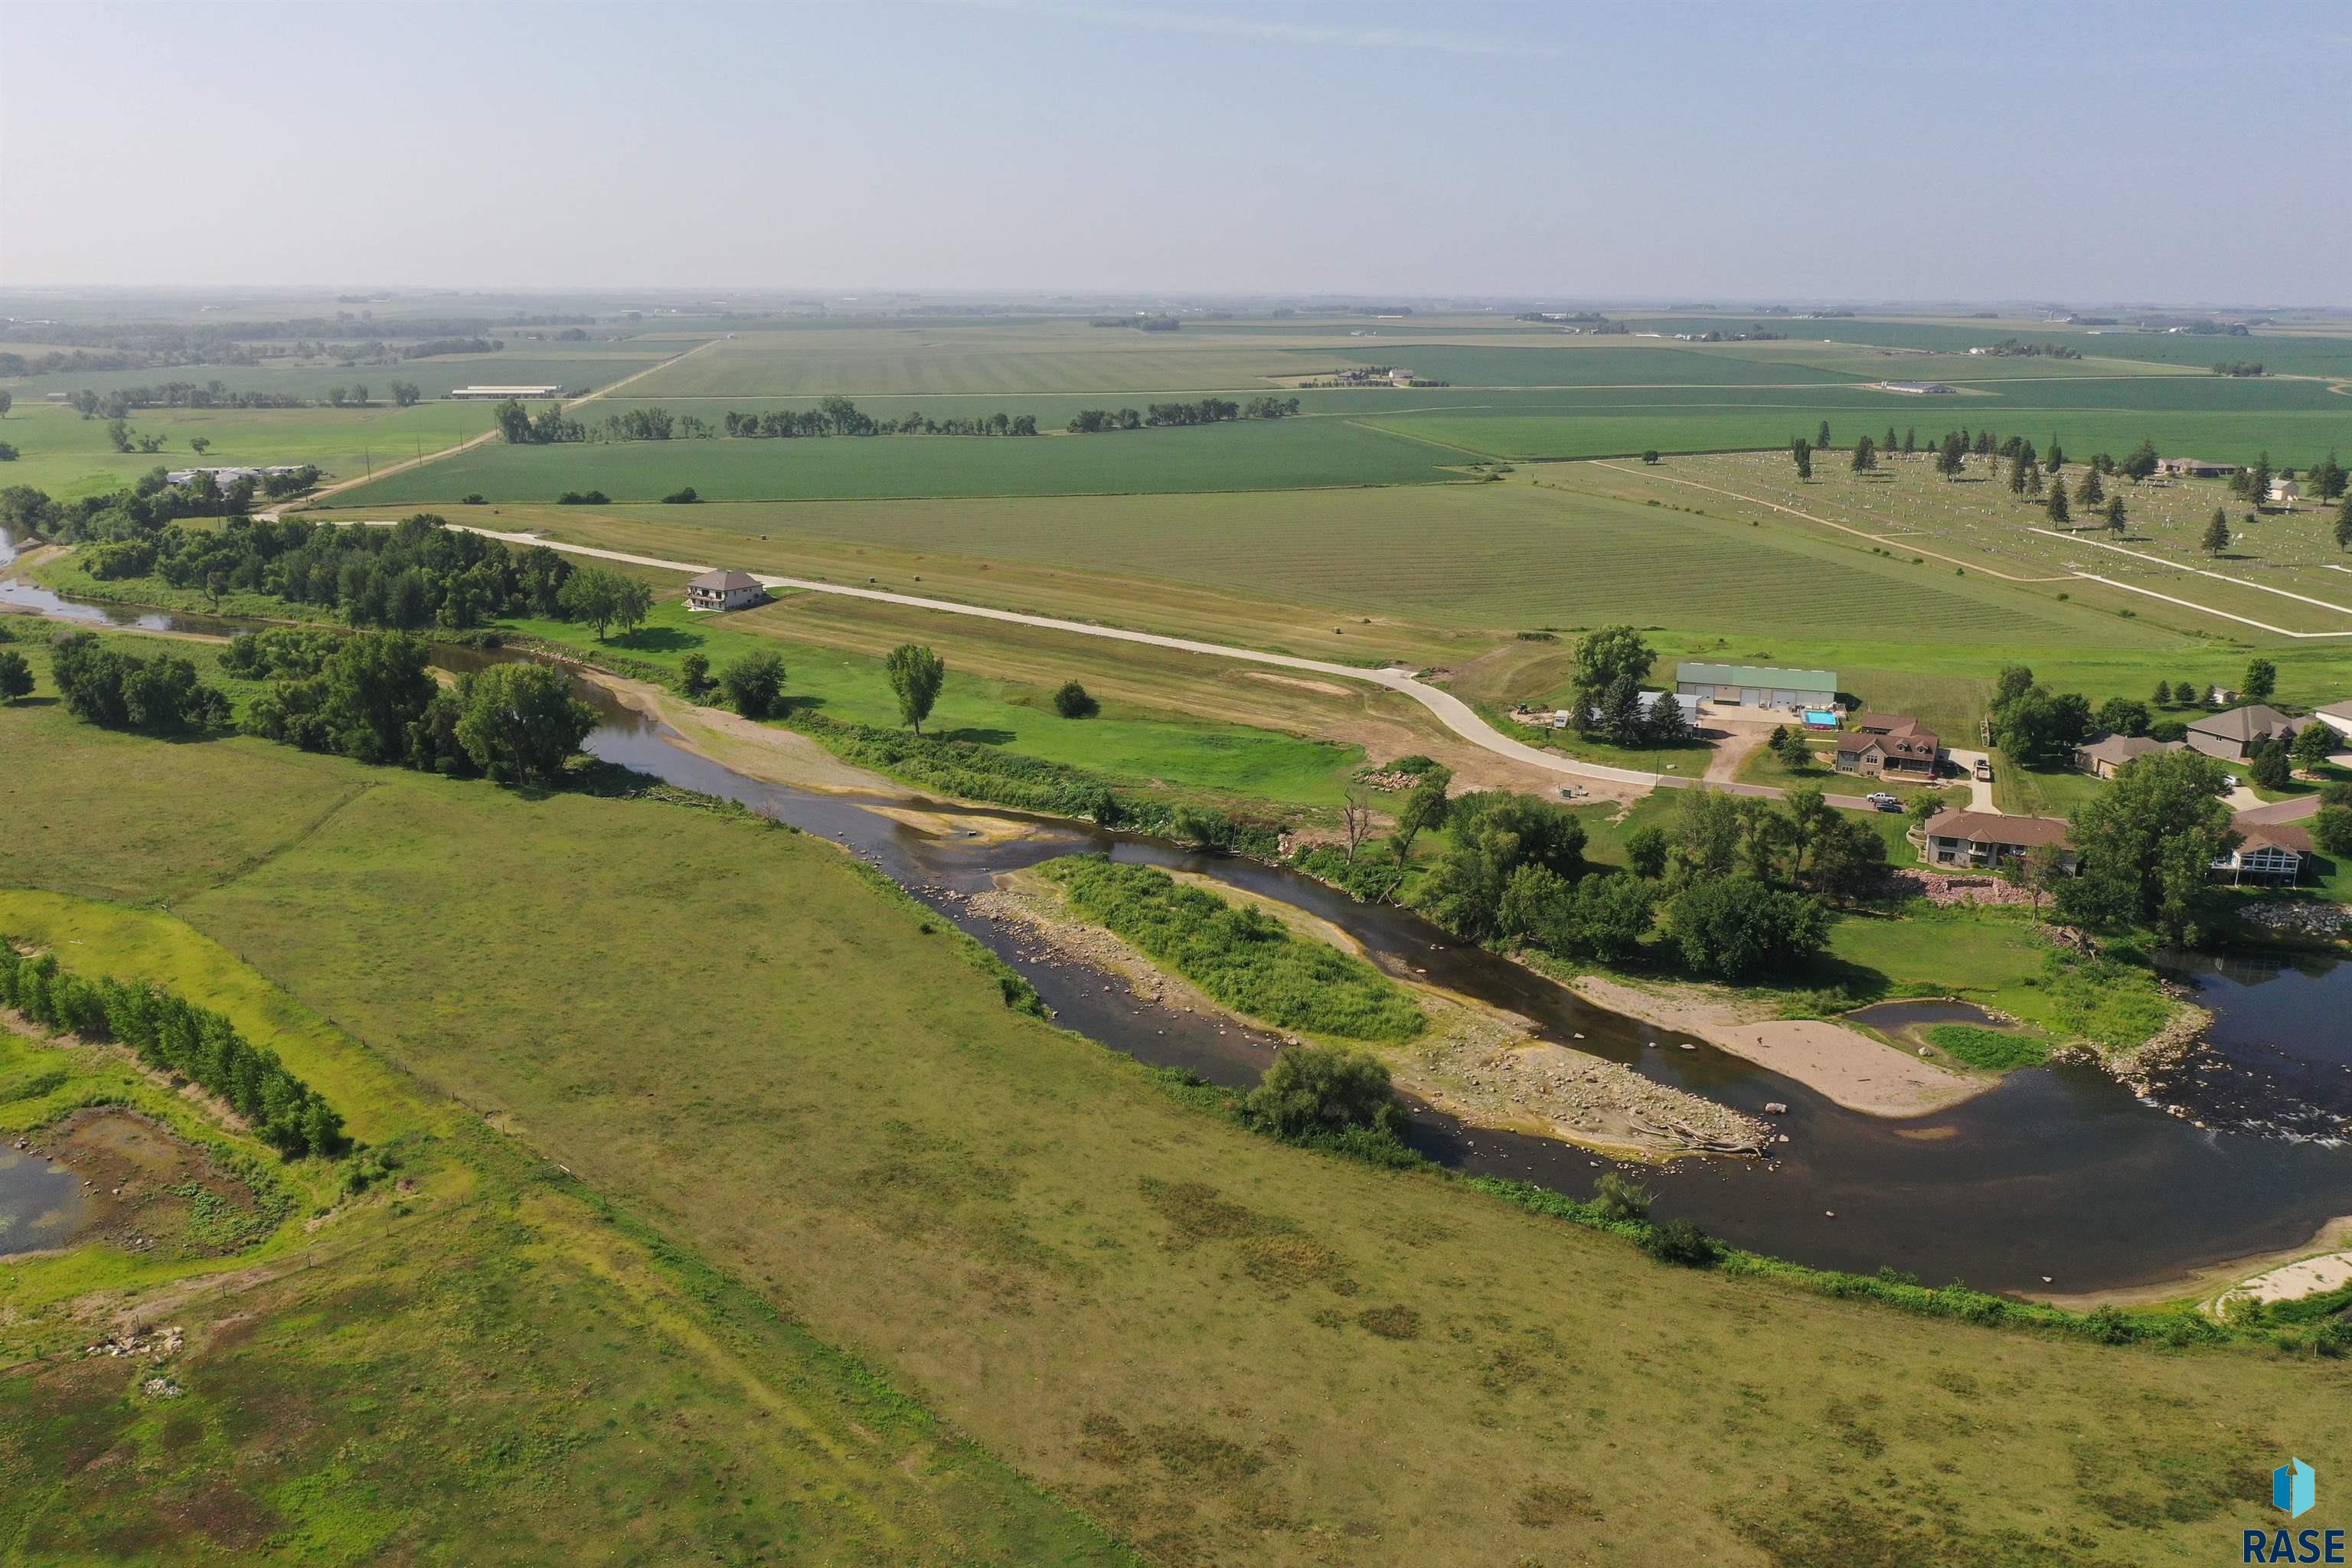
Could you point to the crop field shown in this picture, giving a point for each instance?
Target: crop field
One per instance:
(2292, 351)
(580, 367)
(1244, 455)
(1202, 1338)
(1068, 356)
(1591, 363)
(2283, 570)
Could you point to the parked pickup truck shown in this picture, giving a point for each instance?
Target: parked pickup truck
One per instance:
(1884, 802)
(1984, 770)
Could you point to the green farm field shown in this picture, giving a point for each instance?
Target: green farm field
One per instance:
(872, 1168)
(1244, 455)
(579, 367)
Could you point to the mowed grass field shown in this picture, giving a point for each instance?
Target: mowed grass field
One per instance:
(1243, 455)
(2296, 437)
(1221, 1348)
(2284, 569)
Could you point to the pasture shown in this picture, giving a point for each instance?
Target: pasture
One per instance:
(475, 1355)
(1243, 455)
(1499, 558)
(69, 456)
(1204, 1339)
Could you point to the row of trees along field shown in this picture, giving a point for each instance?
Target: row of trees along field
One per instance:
(831, 416)
(174, 1035)
(370, 696)
(1207, 411)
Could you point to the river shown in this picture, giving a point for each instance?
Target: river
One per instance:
(2059, 1174)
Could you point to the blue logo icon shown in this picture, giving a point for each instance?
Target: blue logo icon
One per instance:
(2293, 1488)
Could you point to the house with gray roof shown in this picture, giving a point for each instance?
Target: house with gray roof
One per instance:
(720, 590)
(2233, 736)
(2105, 757)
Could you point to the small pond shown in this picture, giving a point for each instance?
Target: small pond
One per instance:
(40, 1202)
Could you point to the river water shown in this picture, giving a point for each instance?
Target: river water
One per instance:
(2058, 1174)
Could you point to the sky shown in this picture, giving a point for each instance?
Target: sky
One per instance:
(1661, 152)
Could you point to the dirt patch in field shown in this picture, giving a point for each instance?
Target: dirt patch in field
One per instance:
(1325, 687)
(146, 1190)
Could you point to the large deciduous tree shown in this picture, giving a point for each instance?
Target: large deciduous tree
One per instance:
(2147, 844)
(520, 722)
(916, 676)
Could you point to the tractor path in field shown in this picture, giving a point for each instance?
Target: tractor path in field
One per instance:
(315, 497)
(1451, 711)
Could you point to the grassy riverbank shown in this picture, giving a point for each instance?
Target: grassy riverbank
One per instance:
(472, 1354)
(1199, 1337)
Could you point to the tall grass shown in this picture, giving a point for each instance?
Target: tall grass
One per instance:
(1241, 957)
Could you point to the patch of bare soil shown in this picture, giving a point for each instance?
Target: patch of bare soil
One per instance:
(1843, 1064)
(1329, 688)
(147, 1190)
(1478, 1063)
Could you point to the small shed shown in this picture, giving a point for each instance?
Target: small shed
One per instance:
(723, 590)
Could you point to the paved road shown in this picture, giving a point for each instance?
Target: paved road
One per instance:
(1452, 711)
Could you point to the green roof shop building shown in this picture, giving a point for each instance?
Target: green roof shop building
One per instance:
(1757, 685)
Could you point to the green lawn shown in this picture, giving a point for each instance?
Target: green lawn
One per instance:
(2041, 792)
(1127, 744)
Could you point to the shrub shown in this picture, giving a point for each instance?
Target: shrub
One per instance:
(472, 498)
(1072, 701)
(582, 498)
(1313, 1090)
(754, 684)
(2331, 831)
(694, 674)
(1682, 1243)
(681, 497)
(1619, 1199)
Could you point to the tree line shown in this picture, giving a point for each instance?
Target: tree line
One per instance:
(833, 415)
(1207, 411)
(174, 1035)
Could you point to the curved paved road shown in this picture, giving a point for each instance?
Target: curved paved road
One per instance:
(1452, 711)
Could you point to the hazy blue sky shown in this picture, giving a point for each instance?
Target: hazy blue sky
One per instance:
(1871, 151)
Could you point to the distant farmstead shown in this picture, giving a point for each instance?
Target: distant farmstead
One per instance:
(722, 590)
(1757, 685)
(224, 478)
(1916, 389)
(505, 392)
